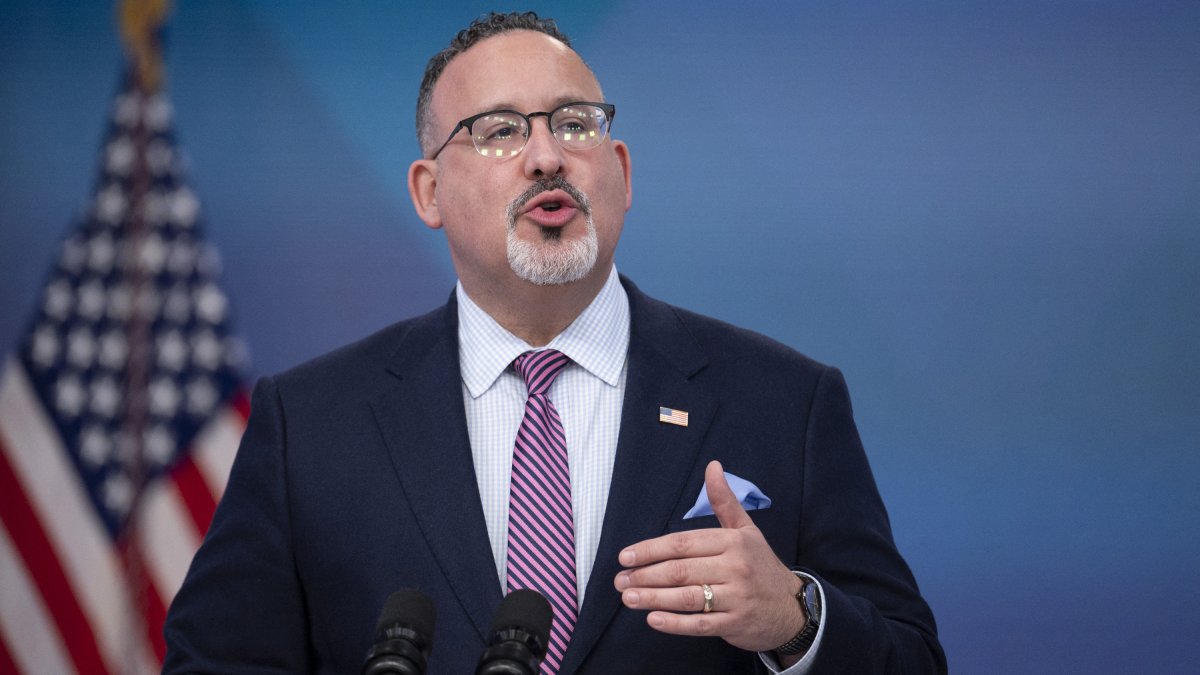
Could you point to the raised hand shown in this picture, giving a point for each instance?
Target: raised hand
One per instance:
(753, 606)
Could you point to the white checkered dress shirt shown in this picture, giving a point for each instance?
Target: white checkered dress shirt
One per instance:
(588, 395)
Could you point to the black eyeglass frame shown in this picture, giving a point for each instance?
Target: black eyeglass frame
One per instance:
(609, 110)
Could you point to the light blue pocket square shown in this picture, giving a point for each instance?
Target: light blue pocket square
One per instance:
(747, 493)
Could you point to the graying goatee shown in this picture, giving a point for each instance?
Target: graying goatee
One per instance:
(551, 261)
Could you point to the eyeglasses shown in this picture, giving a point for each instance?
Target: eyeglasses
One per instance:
(503, 133)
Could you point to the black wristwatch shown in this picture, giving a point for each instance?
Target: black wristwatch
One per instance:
(809, 597)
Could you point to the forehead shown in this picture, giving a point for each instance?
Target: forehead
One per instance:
(521, 69)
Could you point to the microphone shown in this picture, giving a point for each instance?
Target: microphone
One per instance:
(403, 636)
(520, 635)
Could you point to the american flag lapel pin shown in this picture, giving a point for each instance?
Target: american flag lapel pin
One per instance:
(672, 416)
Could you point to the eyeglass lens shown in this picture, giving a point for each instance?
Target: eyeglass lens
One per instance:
(504, 134)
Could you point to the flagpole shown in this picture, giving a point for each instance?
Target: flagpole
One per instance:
(141, 26)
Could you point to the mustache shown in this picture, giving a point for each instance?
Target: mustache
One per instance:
(546, 185)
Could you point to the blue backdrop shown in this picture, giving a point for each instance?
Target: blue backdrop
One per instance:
(987, 214)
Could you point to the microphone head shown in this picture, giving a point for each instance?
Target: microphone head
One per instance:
(529, 611)
(403, 635)
(406, 608)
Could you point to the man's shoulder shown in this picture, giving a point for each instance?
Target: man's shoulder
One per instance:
(721, 343)
(359, 362)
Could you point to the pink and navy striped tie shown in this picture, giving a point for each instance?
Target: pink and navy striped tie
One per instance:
(541, 529)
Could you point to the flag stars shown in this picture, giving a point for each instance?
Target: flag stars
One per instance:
(184, 207)
(91, 300)
(201, 396)
(158, 113)
(211, 304)
(206, 350)
(95, 445)
(160, 446)
(45, 346)
(152, 254)
(111, 204)
(69, 396)
(106, 397)
(164, 397)
(178, 306)
(118, 156)
(101, 253)
(113, 350)
(59, 299)
(181, 261)
(118, 493)
(172, 351)
(81, 347)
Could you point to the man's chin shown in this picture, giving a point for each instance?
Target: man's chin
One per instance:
(563, 265)
(545, 276)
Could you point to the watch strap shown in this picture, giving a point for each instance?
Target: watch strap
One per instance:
(809, 598)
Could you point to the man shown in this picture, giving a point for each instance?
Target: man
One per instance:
(387, 464)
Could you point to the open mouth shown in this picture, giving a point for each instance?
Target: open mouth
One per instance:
(552, 208)
(550, 201)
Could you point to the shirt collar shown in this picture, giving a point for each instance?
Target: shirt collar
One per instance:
(597, 339)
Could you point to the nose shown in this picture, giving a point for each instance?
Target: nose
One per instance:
(543, 156)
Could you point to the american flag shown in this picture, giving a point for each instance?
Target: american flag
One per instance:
(672, 416)
(119, 415)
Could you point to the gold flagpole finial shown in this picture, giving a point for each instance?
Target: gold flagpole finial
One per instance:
(141, 23)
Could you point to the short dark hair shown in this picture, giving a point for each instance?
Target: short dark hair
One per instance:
(481, 28)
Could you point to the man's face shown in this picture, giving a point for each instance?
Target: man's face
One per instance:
(546, 216)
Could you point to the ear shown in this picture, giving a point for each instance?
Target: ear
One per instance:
(622, 152)
(422, 189)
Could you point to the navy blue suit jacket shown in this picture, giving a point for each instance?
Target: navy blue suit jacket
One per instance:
(354, 479)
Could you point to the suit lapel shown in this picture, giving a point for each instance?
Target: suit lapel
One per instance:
(654, 460)
(423, 422)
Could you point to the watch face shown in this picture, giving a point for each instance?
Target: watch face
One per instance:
(812, 602)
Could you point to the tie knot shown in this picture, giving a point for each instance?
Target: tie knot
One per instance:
(540, 368)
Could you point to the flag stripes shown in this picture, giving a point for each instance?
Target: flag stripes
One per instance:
(46, 572)
(146, 598)
(198, 501)
(74, 569)
(23, 620)
(7, 665)
(58, 605)
(72, 607)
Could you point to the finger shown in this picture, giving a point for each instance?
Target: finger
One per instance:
(691, 544)
(724, 503)
(673, 573)
(683, 599)
(688, 624)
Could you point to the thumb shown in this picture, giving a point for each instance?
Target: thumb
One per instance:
(724, 503)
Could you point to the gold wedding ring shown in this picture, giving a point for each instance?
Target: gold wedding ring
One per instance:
(708, 597)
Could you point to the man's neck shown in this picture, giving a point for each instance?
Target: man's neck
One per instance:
(537, 314)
